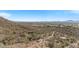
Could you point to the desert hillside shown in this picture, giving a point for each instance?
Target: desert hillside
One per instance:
(34, 35)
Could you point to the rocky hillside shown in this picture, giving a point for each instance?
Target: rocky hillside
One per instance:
(16, 35)
(11, 32)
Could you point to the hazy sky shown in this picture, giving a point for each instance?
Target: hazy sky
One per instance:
(40, 15)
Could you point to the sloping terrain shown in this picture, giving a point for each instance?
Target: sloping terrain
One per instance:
(11, 32)
(29, 35)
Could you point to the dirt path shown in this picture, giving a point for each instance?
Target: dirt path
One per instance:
(41, 43)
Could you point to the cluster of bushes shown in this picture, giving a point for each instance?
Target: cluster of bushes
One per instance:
(60, 43)
(14, 38)
(33, 36)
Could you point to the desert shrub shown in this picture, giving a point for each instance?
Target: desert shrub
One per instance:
(14, 32)
(50, 42)
(33, 36)
(22, 35)
(50, 45)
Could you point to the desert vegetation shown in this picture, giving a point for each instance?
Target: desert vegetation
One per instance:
(38, 35)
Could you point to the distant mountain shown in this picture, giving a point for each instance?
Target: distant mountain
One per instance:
(69, 21)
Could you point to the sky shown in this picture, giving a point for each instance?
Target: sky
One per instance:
(40, 15)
